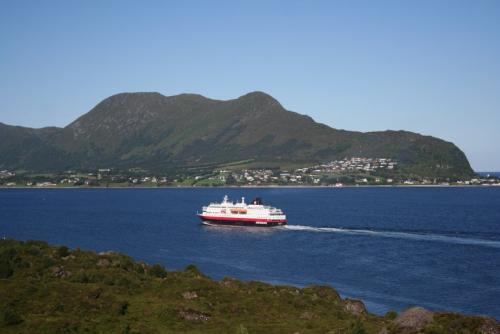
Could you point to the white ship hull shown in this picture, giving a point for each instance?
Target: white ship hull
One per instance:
(242, 214)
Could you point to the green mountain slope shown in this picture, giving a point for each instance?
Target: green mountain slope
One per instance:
(47, 289)
(153, 131)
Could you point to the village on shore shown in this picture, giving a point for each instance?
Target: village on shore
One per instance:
(356, 171)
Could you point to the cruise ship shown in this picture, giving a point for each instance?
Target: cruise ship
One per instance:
(242, 214)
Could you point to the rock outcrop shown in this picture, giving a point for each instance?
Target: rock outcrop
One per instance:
(58, 271)
(188, 295)
(193, 316)
(414, 319)
(354, 306)
(490, 326)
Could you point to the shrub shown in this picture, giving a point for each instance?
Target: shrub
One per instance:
(33, 250)
(126, 263)
(63, 251)
(139, 269)
(242, 329)
(157, 271)
(6, 269)
(108, 280)
(9, 254)
(356, 327)
(453, 323)
(37, 243)
(391, 315)
(11, 318)
(47, 262)
(81, 277)
(122, 307)
(193, 270)
(125, 282)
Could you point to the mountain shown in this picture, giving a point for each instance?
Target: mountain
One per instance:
(153, 131)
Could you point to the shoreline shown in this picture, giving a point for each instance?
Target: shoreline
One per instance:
(266, 187)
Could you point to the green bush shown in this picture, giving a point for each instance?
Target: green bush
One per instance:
(453, 323)
(33, 250)
(157, 271)
(10, 318)
(356, 327)
(63, 251)
(125, 282)
(37, 243)
(242, 330)
(9, 254)
(193, 271)
(6, 269)
(192, 268)
(108, 281)
(47, 262)
(122, 307)
(139, 269)
(80, 277)
(391, 315)
(126, 263)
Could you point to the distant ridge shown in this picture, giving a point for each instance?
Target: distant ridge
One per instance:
(153, 131)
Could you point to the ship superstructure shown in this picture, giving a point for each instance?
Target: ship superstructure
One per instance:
(242, 214)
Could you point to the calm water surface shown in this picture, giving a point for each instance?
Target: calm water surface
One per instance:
(392, 247)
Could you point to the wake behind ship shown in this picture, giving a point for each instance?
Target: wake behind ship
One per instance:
(242, 214)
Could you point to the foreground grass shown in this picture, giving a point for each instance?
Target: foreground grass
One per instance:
(47, 289)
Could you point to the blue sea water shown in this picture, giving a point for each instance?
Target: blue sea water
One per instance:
(391, 247)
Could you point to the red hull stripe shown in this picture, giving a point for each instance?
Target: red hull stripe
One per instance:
(243, 219)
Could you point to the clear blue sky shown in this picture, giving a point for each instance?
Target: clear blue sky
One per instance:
(427, 66)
